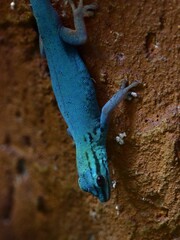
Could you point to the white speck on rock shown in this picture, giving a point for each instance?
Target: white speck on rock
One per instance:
(12, 5)
(120, 138)
(117, 208)
(114, 184)
(134, 94)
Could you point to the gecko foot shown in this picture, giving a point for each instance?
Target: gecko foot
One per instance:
(82, 11)
(130, 94)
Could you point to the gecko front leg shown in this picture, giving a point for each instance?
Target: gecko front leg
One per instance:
(79, 35)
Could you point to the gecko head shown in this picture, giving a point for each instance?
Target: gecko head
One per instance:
(94, 175)
(98, 186)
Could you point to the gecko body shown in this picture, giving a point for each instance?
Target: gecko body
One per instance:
(75, 94)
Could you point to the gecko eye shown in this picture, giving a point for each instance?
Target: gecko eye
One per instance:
(100, 181)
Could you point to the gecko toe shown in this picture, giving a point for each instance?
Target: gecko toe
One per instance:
(124, 84)
(89, 9)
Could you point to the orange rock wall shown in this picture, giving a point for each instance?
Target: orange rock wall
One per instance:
(39, 194)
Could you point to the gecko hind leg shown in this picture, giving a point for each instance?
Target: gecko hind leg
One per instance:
(114, 101)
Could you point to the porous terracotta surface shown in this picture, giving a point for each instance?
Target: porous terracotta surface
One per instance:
(39, 194)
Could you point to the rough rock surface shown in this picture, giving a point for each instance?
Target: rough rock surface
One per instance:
(39, 194)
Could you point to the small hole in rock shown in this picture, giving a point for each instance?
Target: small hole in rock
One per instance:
(20, 167)
(7, 139)
(18, 114)
(26, 140)
(42, 120)
(41, 206)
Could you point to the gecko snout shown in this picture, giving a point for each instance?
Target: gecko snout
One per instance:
(98, 186)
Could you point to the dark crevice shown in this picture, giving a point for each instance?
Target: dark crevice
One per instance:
(26, 140)
(8, 206)
(41, 205)
(150, 43)
(8, 198)
(161, 21)
(7, 139)
(21, 166)
(18, 114)
(177, 151)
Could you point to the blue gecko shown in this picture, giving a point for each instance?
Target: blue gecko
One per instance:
(75, 94)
